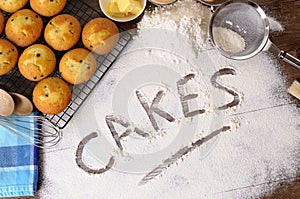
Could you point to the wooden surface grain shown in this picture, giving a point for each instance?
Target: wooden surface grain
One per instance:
(287, 12)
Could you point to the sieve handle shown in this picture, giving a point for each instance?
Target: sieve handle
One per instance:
(288, 58)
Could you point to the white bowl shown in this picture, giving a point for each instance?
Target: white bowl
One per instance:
(104, 4)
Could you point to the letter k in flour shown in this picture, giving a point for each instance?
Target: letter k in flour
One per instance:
(154, 108)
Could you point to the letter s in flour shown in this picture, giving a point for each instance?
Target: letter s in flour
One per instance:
(236, 98)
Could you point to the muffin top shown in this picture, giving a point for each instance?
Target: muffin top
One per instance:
(77, 66)
(100, 35)
(12, 5)
(8, 56)
(62, 32)
(51, 95)
(48, 8)
(24, 27)
(37, 62)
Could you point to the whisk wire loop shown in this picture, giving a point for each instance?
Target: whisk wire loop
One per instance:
(34, 129)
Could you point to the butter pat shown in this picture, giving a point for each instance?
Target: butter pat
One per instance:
(134, 7)
(123, 8)
(123, 5)
(294, 89)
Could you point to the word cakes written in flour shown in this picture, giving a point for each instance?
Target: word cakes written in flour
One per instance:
(154, 108)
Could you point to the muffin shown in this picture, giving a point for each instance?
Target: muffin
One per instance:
(8, 56)
(62, 32)
(2, 22)
(12, 5)
(24, 27)
(37, 62)
(48, 8)
(52, 95)
(77, 66)
(100, 35)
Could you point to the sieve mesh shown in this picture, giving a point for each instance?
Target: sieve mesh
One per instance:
(246, 19)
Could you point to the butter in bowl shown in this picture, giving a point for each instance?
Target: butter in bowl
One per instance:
(122, 10)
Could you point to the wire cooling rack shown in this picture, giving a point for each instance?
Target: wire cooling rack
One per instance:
(15, 82)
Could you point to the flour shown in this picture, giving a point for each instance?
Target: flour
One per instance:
(191, 20)
(260, 151)
(228, 40)
(275, 26)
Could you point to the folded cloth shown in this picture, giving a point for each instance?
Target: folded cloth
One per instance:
(18, 163)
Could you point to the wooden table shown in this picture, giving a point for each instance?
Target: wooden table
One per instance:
(287, 12)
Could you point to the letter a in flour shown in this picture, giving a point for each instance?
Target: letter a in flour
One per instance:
(110, 120)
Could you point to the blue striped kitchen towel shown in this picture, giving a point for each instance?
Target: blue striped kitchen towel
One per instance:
(18, 164)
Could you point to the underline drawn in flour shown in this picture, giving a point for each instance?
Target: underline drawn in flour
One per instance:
(179, 154)
(79, 155)
(236, 97)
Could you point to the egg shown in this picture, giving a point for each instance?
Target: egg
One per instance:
(7, 104)
(23, 105)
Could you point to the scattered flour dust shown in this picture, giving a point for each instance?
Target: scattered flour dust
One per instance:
(275, 26)
(260, 152)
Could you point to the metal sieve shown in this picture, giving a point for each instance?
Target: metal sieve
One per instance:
(248, 20)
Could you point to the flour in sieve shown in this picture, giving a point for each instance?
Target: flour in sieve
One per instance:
(228, 40)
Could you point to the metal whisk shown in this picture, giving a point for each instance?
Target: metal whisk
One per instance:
(33, 129)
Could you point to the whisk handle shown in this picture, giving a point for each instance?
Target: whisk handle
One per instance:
(288, 58)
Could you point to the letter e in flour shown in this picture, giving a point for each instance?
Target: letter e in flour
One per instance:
(184, 98)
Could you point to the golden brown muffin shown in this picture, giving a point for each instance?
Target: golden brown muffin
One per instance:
(8, 56)
(24, 27)
(77, 66)
(52, 95)
(2, 22)
(12, 5)
(48, 8)
(100, 35)
(37, 62)
(62, 32)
